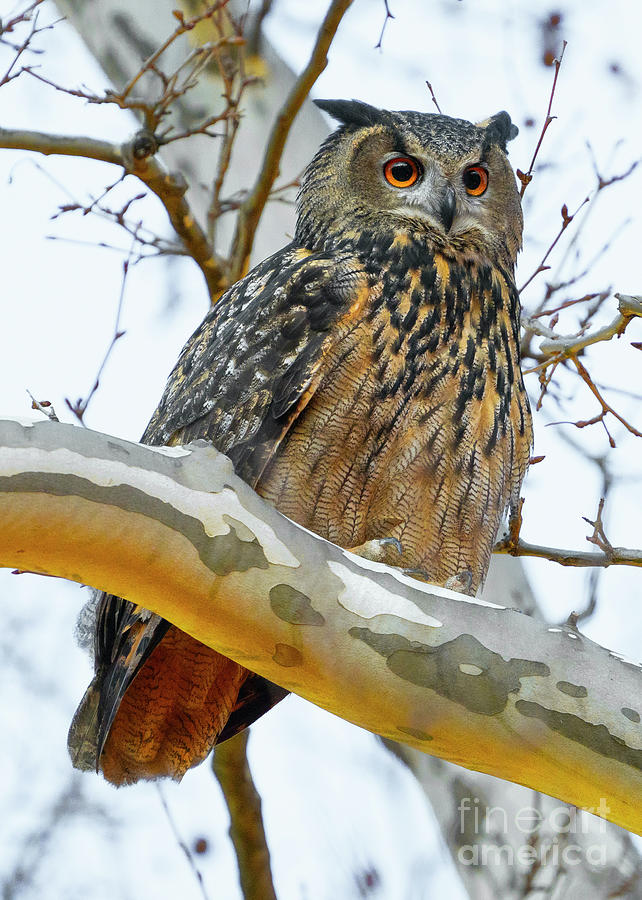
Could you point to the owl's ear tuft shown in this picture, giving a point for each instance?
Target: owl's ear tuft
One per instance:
(499, 129)
(353, 112)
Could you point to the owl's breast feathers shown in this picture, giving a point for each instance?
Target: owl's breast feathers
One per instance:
(368, 391)
(420, 428)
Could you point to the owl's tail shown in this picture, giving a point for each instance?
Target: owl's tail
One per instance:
(169, 717)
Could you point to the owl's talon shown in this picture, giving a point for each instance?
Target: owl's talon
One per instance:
(375, 550)
(417, 573)
(395, 542)
(460, 582)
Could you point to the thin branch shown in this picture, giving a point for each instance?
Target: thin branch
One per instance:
(21, 18)
(621, 556)
(567, 218)
(79, 408)
(607, 556)
(183, 26)
(247, 832)
(234, 81)
(570, 345)
(558, 349)
(44, 406)
(389, 16)
(6, 27)
(139, 105)
(432, 94)
(606, 408)
(181, 843)
(565, 304)
(601, 184)
(137, 158)
(252, 209)
(527, 177)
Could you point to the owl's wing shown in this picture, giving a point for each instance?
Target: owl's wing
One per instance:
(242, 379)
(254, 362)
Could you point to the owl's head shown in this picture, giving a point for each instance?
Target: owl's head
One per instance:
(420, 173)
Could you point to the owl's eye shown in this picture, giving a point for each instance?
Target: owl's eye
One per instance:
(401, 172)
(475, 180)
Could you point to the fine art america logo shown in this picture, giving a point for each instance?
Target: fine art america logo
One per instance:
(491, 836)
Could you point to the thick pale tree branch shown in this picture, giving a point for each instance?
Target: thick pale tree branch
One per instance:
(136, 157)
(176, 531)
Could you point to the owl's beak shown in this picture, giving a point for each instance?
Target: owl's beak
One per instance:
(447, 207)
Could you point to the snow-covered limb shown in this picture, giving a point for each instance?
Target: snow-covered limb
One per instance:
(175, 530)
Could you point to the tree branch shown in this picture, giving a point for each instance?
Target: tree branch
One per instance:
(486, 687)
(252, 208)
(571, 345)
(620, 556)
(229, 762)
(606, 556)
(137, 158)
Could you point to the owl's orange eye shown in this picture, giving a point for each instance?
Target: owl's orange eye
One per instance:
(475, 180)
(401, 172)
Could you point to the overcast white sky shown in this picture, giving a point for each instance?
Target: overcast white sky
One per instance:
(325, 784)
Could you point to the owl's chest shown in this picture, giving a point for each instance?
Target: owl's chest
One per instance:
(368, 417)
(412, 432)
(323, 473)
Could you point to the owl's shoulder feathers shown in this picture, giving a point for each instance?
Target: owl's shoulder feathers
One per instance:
(255, 359)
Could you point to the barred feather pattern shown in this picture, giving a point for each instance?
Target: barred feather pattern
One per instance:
(424, 404)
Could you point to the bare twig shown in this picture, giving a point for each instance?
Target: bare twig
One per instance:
(252, 208)
(527, 177)
(181, 843)
(606, 408)
(387, 18)
(229, 763)
(142, 237)
(234, 83)
(432, 94)
(601, 184)
(620, 556)
(136, 157)
(566, 303)
(79, 408)
(44, 406)
(183, 26)
(557, 349)
(30, 14)
(567, 218)
(608, 555)
(600, 539)
(7, 26)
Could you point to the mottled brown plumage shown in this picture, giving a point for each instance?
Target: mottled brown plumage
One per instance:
(366, 381)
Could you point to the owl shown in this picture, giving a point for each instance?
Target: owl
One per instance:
(366, 381)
